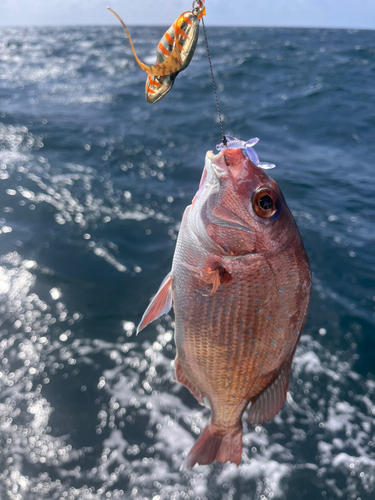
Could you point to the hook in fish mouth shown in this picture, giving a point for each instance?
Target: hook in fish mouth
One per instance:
(247, 148)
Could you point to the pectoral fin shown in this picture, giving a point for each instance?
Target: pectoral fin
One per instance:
(160, 304)
(211, 276)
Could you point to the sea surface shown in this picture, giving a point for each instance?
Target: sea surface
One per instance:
(93, 184)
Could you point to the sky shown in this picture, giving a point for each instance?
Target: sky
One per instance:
(304, 13)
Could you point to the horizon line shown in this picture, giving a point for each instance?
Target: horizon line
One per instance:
(209, 26)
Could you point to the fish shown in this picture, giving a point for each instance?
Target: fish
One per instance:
(240, 287)
(174, 53)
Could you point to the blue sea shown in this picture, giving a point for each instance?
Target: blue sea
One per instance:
(93, 184)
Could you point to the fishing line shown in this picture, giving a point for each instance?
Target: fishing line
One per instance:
(213, 84)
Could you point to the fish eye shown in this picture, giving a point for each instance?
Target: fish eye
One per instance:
(264, 202)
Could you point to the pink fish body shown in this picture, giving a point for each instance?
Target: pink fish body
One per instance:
(240, 287)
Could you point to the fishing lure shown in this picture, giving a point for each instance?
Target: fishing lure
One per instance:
(247, 149)
(174, 53)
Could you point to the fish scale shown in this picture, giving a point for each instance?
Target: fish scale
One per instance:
(202, 340)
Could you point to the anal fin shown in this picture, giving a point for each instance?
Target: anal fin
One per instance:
(270, 401)
(159, 305)
(180, 377)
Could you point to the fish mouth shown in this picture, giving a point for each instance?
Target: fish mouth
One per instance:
(231, 161)
(212, 165)
(203, 210)
(212, 173)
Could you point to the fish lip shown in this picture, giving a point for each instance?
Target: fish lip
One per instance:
(208, 164)
(214, 172)
(211, 166)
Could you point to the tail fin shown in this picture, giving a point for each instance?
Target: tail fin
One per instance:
(216, 443)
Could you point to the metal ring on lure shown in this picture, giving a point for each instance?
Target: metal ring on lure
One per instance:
(172, 64)
(248, 150)
(199, 8)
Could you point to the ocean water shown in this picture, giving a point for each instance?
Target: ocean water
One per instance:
(93, 184)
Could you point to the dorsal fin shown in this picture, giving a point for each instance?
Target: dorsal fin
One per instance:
(269, 402)
(160, 304)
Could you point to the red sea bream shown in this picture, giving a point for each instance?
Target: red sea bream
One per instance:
(240, 288)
